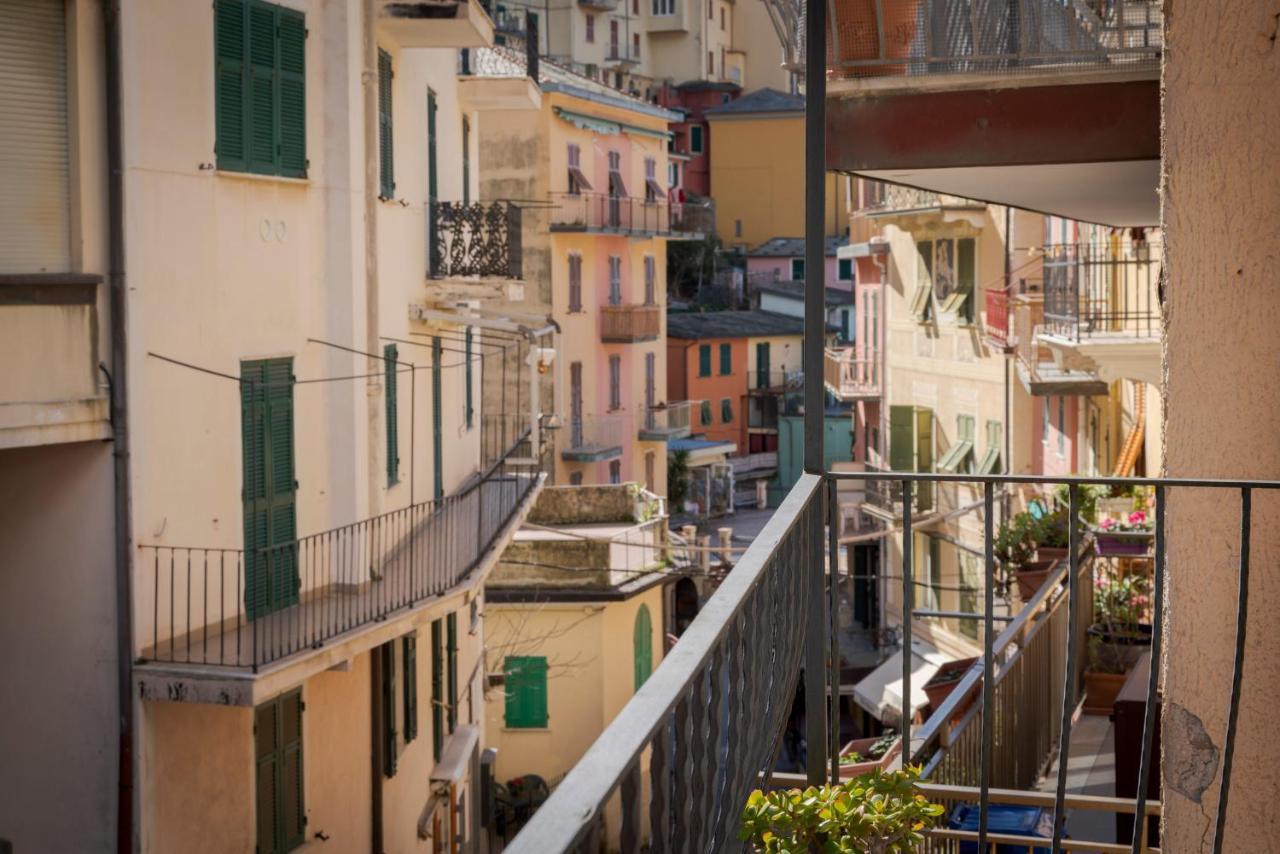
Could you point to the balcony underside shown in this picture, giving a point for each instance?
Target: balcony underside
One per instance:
(436, 24)
(663, 434)
(1085, 150)
(627, 338)
(591, 453)
(1049, 379)
(1109, 357)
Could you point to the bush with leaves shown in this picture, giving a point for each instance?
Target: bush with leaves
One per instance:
(881, 812)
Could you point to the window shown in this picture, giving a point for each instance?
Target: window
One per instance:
(726, 411)
(704, 360)
(260, 88)
(617, 187)
(1044, 422)
(409, 656)
(711, 63)
(711, 10)
(526, 691)
(615, 472)
(642, 645)
(737, 228)
(844, 269)
(269, 485)
(944, 270)
(959, 457)
(1062, 425)
(921, 307)
(722, 17)
(762, 364)
(575, 478)
(664, 7)
(613, 39)
(635, 8)
(470, 411)
(615, 382)
(726, 359)
(650, 277)
(911, 445)
(615, 280)
(277, 740)
(635, 49)
(577, 180)
(704, 413)
(437, 688)
(970, 581)
(959, 303)
(695, 139)
(386, 158)
(652, 189)
(466, 160)
(390, 397)
(591, 29)
(797, 269)
(673, 174)
(991, 459)
(575, 282)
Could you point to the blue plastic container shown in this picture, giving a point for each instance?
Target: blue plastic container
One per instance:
(1009, 820)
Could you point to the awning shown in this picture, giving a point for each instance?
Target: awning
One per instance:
(655, 188)
(582, 121)
(616, 186)
(456, 757)
(880, 693)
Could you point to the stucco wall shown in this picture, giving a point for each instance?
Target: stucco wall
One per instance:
(1221, 351)
(716, 388)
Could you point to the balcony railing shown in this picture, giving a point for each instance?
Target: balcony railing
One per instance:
(895, 38)
(591, 438)
(775, 381)
(599, 5)
(630, 324)
(603, 213)
(706, 728)
(247, 608)
(475, 239)
(997, 318)
(849, 374)
(622, 54)
(665, 422)
(1102, 290)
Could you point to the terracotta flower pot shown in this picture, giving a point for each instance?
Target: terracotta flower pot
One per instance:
(1101, 690)
(1052, 552)
(1031, 577)
(942, 683)
(861, 746)
(855, 35)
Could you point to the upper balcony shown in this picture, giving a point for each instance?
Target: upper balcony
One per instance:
(1012, 326)
(667, 421)
(448, 24)
(1102, 308)
(620, 54)
(51, 389)
(599, 5)
(849, 373)
(491, 81)
(630, 324)
(475, 250)
(602, 213)
(592, 438)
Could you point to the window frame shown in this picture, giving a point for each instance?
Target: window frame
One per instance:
(726, 410)
(696, 141)
(515, 714)
(704, 360)
(391, 412)
(797, 269)
(704, 413)
(726, 358)
(386, 127)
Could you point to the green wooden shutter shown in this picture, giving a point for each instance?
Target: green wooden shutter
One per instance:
(726, 410)
(437, 689)
(386, 164)
(293, 812)
(293, 93)
(230, 26)
(470, 403)
(526, 691)
(924, 455)
(410, 656)
(391, 395)
(281, 812)
(642, 641)
(466, 161)
(266, 734)
(762, 364)
(451, 622)
(253, 417)
(726, 359)
(704, 360)
(269, 487)
(263, 143)
(902, 438)
(387, 668)
(704, 413)
(966, 276)
(281, 484)
(437, 417)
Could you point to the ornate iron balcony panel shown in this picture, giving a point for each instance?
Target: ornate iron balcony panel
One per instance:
(474, 239)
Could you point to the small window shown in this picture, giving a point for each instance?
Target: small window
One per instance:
(577, 179)
(526, 691)
(704, 360)
(615, 472)
(726, 359)
(617, 187)
(575, 478)
(615, 280)
(704, 413)
(737, 228)
(722, 17)
(653, 191)
(575, 282)
(726, 411)
(615, 382)
(635, 42)
(844, 269)
(591, 29)
(695, 139)
(711, 63)
(673, 174)
(797, 269)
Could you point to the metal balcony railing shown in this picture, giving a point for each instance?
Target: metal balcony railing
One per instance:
(665, 422)
(774, 381)
(601, 212)
(706, 728)
(630, 324)
(475, 239)
(1103, 289)
(246, 608)
(997, 318)
(622, 53)
(850, 374)
(591, 438)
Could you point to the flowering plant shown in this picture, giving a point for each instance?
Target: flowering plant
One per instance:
(1135, 522)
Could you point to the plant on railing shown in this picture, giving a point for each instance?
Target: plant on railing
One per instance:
(875, 751)
(882, 812)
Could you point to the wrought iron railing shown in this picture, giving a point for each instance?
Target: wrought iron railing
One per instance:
(629, 324)
(705, 729)
(602, 212)
(1103, 289)
(849, 373)
(593, 437)
(474, 239)
(246, 608)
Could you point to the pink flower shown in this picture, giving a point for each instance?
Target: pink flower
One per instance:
(1137, 517)
(1107, 524)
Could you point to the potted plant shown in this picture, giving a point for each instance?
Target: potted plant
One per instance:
(1104, 676)
(1118, 636)
(866, 754)
(1052, 535)
(942, 683)
(1127, 537)
(882, 812)
(1015, 548)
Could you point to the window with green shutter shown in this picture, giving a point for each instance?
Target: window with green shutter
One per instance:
(526, 691)
(437, 688)
(466, 160)
(642, 643)
(277, 737)
(387, 685)
(451, 627)
(726, 410)
(391, 395)
(269, 490)
(470, 403)
(762, 364)
(844, 269)
(704, 360)
(726, 359)
(409, 656)
(260, 88)
(386, 160)
(704, 413)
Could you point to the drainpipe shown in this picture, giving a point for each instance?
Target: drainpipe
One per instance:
(125, 806)
(371, 189)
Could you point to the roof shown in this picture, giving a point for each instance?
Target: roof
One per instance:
(697, 444)
(761, 101)
(786, 288)
(731, 324)
(793, 247)
(502, 61)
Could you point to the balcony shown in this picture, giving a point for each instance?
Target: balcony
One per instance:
(1014, 319)
(996, 328)
(217, 614)
(621, 54)
(491, 81)
(475, 251)
(599, 5)
(1102, 308)
(592, 438)
(674, 768)
(849, 374)
(630, 324)
(51, 389)
(448, 24)
(665, 422)
(601, 213)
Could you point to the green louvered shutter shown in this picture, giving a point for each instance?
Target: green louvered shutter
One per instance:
(410, 688)
(253, 419)
(266, 738)
(470, 407)
(391, 394)
(386, 165)
(726, 359)
(282, 487)
(526, 691)
(280, 806)
(269, 486)
(902, 438)
(292, 809)
(437, 689)
(451, 622)
(924, 455)
(642, 642)
(263, 103)
(293, 94)
(704, 360)
(387, 668)
(437, 417)
(230, 73)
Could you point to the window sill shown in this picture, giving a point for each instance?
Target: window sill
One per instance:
(258, 178)
(526, 729)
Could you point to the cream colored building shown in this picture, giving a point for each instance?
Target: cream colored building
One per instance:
(309, 496)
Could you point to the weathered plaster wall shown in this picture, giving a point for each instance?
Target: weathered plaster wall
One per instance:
(1220, 219)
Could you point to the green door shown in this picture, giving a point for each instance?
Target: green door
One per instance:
(437, 423)
(643, 643)
(270, 490)
(762, 364)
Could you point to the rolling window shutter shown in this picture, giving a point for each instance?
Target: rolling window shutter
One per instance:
(262, 97)
(230, 28)
(293, 94)
(293, 812)
(386, 165)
